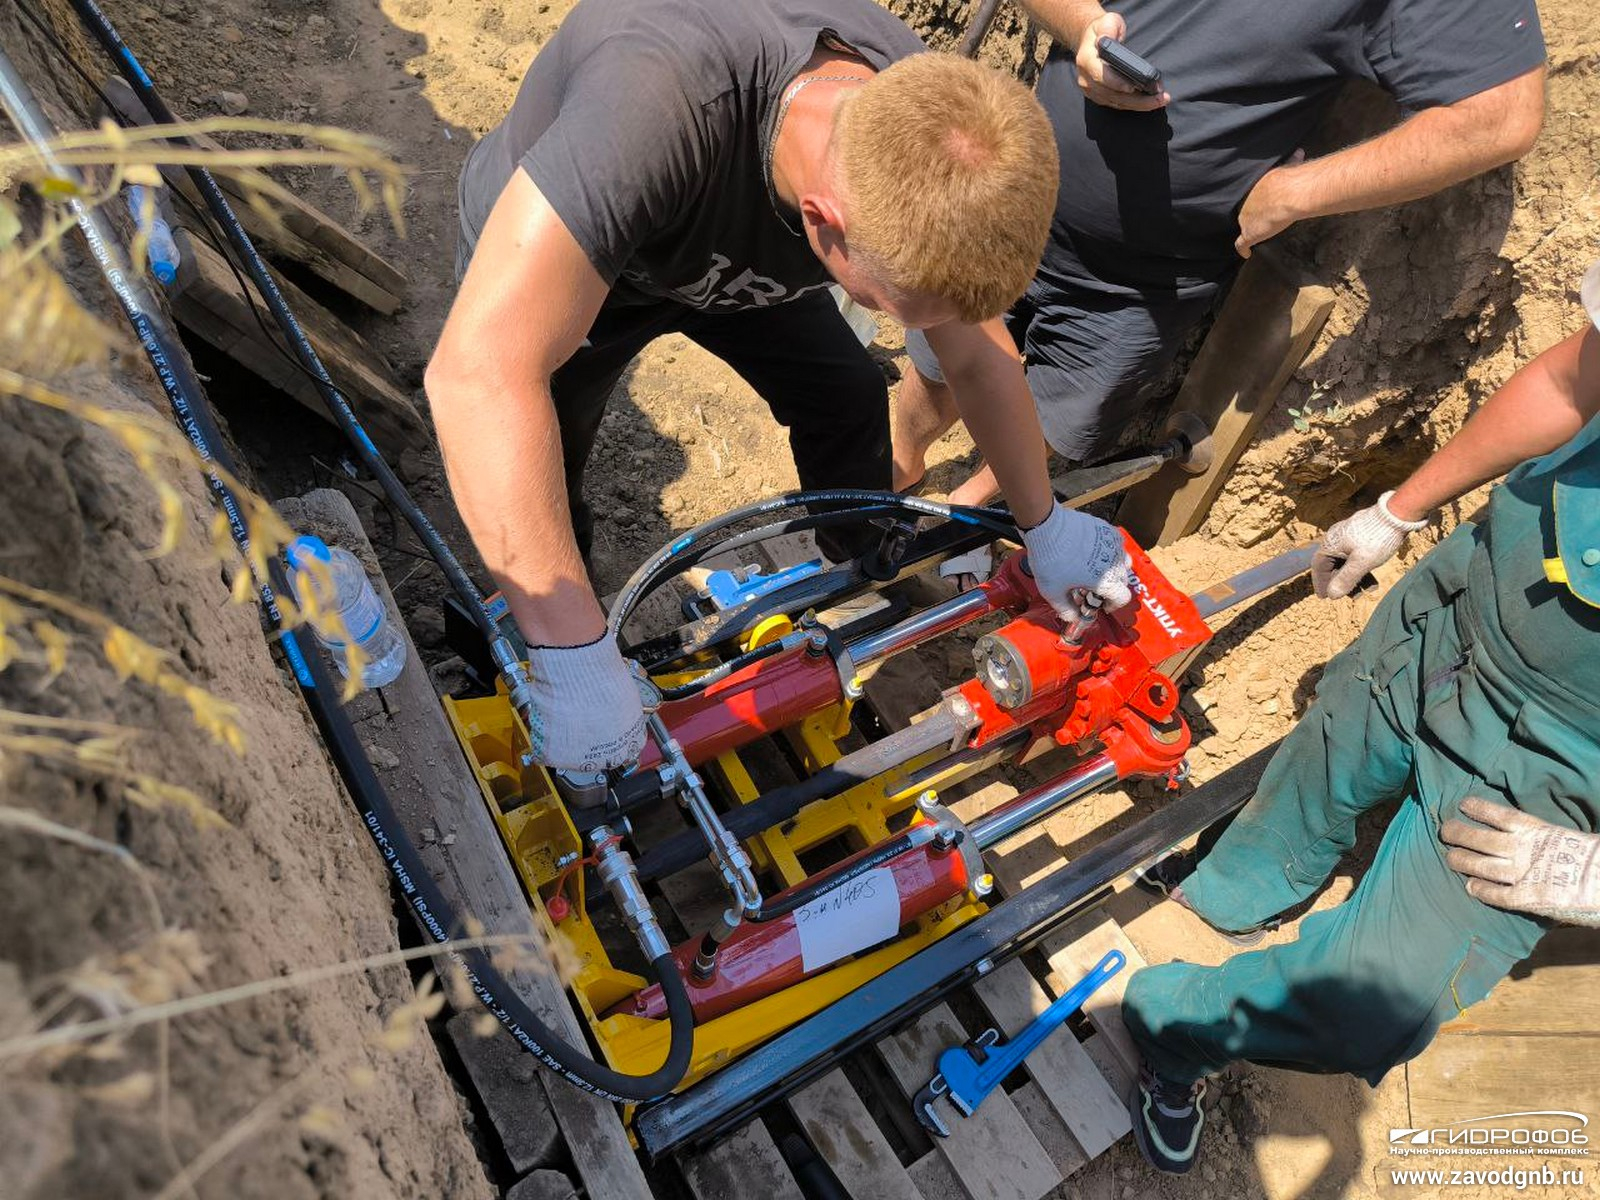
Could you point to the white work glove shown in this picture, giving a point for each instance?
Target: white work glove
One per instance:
(1071, 551)
(585, 712)
(1355, 546)
(1516, 861)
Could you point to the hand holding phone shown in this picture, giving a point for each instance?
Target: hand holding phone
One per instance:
(1110, 74)
(1135, 70)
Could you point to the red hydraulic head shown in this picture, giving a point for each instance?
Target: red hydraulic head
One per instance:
(1105, 686)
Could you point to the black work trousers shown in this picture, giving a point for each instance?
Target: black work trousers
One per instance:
(800, 357)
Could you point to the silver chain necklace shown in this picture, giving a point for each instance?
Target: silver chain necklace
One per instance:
(772, 142)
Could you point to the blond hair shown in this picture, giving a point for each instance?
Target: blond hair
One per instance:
(948, 174)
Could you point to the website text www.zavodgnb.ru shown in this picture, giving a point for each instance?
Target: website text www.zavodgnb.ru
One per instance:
(1517, 1178)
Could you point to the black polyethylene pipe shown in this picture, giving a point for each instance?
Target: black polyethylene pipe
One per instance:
(193, 415)
(100, 27)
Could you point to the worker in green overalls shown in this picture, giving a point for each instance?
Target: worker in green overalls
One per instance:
(1473, 698)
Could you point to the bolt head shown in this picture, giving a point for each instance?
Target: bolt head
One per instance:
(983, 885)
(928, 800)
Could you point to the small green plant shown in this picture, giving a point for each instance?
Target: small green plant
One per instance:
(1304, 418)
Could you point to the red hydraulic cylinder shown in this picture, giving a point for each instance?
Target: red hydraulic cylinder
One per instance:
(762, 698)
(760, 959)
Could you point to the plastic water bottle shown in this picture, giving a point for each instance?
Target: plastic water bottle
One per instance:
(161, 249)
(358, 606)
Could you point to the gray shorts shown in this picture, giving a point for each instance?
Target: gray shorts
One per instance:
(1092, 358)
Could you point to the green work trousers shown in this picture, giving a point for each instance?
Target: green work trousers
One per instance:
(1426, 708)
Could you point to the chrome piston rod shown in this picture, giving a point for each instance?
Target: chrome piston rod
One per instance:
(1087, 778)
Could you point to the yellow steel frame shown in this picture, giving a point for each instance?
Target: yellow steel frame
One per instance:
(539, 836)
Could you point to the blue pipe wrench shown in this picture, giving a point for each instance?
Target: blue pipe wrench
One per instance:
(969, 1073)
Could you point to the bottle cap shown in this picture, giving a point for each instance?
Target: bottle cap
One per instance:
(166, 273)
(305, 549)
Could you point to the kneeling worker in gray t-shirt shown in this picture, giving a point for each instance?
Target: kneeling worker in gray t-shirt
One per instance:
(710, 167)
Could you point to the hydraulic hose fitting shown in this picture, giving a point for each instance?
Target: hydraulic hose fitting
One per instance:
(726, 852)
(514, 670)
(614, 867)
(705, 959)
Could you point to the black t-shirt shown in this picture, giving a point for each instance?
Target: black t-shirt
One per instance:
(1150, 201)
(645, 123)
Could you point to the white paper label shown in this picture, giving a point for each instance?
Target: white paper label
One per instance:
(849, 918)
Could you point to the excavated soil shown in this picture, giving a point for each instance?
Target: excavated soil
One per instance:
(1437, 303)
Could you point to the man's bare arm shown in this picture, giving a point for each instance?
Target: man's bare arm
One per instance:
(985, 376)
(1079, 24)
(1422, 155)
(1539, 409)
(1064, 20)
(526, 303)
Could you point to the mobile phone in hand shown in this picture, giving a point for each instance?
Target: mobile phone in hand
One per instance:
(1129, 66)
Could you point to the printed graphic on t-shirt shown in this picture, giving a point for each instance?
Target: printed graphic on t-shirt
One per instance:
(723, 287)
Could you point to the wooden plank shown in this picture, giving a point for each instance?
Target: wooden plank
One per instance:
(843, 1132)
(209, 302)
(431, 785)
(1073, 952)
(1066, 1076)
(934, 1178)
(304, 234)
(1458, 1078)
(1112, 1068)
(993, 1152)
(1266, 328)
(745, 1164)
(1047, 1126)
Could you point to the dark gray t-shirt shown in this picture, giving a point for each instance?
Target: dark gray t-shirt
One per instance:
(645, 124)
(1150, 201)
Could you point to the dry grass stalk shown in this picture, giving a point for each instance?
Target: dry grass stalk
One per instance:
(80, 1032)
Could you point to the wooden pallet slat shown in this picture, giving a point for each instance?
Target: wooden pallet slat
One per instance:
(993, 1153)
(1066, 1076)
(842, 1131)
(746, 1163)
(1073, 952)
(1047, 1126)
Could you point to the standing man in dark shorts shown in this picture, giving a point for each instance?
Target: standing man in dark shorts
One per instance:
(711, 167)
(1162, 196)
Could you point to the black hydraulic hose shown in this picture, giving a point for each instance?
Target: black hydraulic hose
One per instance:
(192, 412)
(669, 555)
(815, 889)
(100, 27)
(722, 670)
(763, 533)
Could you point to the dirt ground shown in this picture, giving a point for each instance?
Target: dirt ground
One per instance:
(1438, 302)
